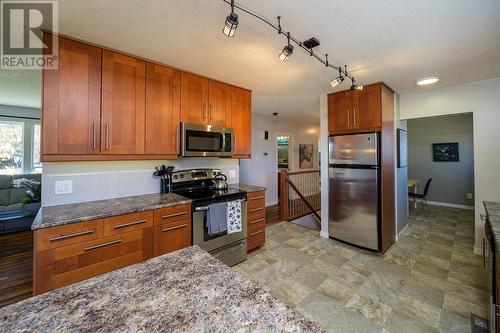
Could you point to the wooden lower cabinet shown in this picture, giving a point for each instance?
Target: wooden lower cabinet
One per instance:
(256, 210)
(70, 253)
(61, 266)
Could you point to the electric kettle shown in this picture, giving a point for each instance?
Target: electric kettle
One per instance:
(220, 182)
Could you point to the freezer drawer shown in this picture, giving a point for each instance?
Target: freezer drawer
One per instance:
(353, 206)
(358, 149)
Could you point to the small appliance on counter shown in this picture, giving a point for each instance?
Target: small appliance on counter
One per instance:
(208, 187)
(165, 174)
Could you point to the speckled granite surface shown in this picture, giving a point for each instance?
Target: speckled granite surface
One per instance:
(493, 211)
(492, 208)
(71, 213)
(247, 188)
(186, 291)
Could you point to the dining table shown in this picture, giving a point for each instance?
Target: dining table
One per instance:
(413, 183)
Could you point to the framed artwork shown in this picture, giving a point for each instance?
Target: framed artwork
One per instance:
(306, 156)
(402, 138)
(445, 152)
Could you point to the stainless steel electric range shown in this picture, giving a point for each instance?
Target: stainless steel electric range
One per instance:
(197, 185)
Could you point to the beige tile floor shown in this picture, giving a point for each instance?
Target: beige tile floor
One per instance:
(430, 281)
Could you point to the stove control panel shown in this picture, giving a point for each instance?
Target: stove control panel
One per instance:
(194, 174)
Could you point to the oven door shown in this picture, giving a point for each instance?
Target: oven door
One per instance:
(230, 249)
(206, 140)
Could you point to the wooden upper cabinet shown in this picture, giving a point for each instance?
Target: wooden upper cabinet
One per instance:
(355, 111)
(162, 110)
(194, 99)
(367, 112)
(241, 122)
(123, 104)
(71, 101)
(219, 103)
(338, 113)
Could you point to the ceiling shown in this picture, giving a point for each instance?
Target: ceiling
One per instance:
(394, 41)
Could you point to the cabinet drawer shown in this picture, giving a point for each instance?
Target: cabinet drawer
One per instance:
(256, 225)
(256, 213)
(256, 239)
(171, 214)
(169, 238)
(64, 235)
(61, 266)
(129, 222)
(256, 199)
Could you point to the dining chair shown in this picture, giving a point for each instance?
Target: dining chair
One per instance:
(422, 197)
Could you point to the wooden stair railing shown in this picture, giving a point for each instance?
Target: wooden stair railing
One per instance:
(303, 199)
(299, 194)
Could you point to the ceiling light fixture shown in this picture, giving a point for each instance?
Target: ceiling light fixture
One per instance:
(231, 22)
(428, 80)
(287, 50)
(338, 80)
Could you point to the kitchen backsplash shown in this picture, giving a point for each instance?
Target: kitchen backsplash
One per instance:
(89, 181)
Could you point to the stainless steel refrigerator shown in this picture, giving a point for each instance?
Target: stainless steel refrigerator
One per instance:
(354, 187)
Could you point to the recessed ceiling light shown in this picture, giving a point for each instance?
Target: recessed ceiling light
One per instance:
(428, 80)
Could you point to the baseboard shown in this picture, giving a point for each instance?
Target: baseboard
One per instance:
(402, 231)
(324, 234)
(478, 250)
(445, 204)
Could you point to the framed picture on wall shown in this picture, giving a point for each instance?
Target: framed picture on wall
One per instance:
(445, 152)
(402, 138)
(306, 156)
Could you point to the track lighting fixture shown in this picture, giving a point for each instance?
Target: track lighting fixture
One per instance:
(287, 50)
(338, 80)
(231, 22)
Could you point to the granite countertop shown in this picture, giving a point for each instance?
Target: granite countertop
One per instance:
(493, 212)
(247, 188)
(492, 208)
(187, 290)
(78, 212)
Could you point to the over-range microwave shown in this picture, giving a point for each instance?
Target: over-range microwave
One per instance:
(206, 140)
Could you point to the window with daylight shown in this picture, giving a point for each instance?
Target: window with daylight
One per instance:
(37, 165)
(11, 147)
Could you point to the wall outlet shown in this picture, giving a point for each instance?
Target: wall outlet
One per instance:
(232, 174)
(469, 195)
(63, 187)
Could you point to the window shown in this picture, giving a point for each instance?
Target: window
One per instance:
(11, 147)
(37, 165)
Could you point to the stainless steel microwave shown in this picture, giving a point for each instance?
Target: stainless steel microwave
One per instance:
(206, 140)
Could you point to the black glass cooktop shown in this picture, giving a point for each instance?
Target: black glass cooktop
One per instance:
(200, 194)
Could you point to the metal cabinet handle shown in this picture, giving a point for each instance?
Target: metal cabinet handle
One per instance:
(94, 143)
(107, 136)
(177, 140)
(256, 233)
(256, 209)
(205, 110)
(348, 117)
(256, 221)
(173, 215)
(90, 248)
(257, 198)
(76, 234)
(118, 226)
(174, 228)
(213, 112)
(354, 116)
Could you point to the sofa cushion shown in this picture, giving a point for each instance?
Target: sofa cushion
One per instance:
(2, 209)
(4, 196)
(14, 207)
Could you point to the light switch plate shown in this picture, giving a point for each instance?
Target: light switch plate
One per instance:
(469, 195)
(63, 187)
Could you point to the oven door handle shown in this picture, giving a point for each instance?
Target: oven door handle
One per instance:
(205, 208)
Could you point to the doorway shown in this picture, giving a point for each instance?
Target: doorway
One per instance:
(283, 146)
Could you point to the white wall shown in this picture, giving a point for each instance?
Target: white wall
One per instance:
(262, 168)
(483, 99)
(105, 180)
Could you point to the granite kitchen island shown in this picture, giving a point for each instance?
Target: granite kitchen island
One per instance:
(187, 290)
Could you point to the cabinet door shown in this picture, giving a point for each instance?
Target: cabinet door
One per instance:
(123, 104)
(162, 110)
(194, 99)
(241, 122)
(220, 103)
(170, 237)
(367, 113)
(339, 118)
(72, 101)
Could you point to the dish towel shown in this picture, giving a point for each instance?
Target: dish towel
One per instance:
(217, 218)
(233, 216)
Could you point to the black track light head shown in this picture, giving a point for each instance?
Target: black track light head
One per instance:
(231, 22)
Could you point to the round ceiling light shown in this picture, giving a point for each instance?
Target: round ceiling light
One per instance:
(428, 80)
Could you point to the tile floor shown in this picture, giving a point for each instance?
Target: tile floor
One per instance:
(430, 281)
